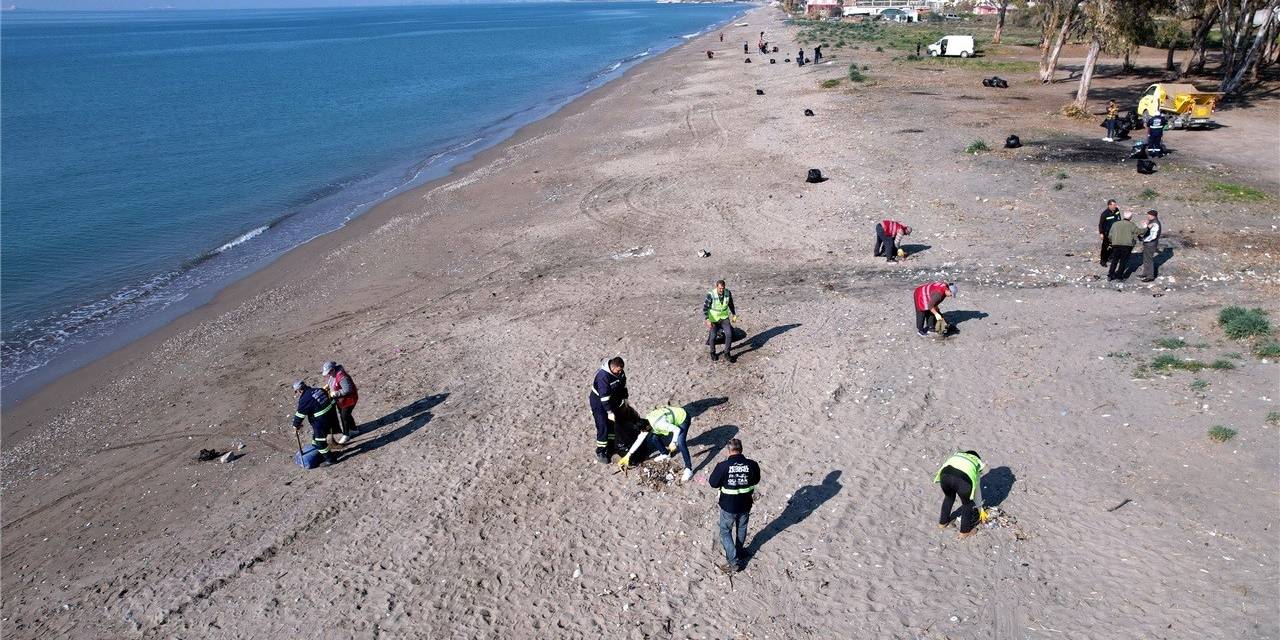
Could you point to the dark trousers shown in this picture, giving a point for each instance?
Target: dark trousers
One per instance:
(320, 431)
(727, 328)
(1112, 125)
(604, 428)
(955, 483)
(347, 420)
(1105, 254)
(884, 244)
(924, 321)
(1149, 251)
(1119, 262)
(733, 536)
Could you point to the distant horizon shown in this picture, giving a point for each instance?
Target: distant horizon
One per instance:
(234, 5)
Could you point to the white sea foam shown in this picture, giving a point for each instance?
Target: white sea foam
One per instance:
(243, 238)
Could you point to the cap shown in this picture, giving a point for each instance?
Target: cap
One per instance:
(299, 385)
(1153, 213)
(327, 367)
(951, 289)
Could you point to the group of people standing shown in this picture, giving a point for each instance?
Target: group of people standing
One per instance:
(1120, 234)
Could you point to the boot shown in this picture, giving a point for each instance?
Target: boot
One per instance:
(714, 356)
(602, 457)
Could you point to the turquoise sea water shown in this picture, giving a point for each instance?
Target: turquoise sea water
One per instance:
(149, 158)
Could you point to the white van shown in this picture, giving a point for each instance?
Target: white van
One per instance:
(952, 46)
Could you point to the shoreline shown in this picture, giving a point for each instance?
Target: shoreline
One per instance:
(64, 387)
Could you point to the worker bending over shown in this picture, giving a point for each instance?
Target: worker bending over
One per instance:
(317, 408)
(608, 396)
(343, 391)
(720, 314)
(889, 235)
(736, 477)
(959, 477)
(927, 298)
(665, 429)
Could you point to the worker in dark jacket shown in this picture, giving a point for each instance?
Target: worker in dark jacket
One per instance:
(889, 234)
(344, 393)
(315, 406)
(719, 313)
(736, 477)
(959, 476)
(608, 397)
(1108, 217)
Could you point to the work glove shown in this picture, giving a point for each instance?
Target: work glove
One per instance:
(609, 414)
(901, 253)
(624, 462)
(982, 515)
(671, 448)
(733, 320)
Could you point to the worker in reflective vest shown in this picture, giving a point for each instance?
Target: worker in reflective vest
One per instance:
(720, 314)
(889, 234)
(959, 476)
(666, 429)
(315, 406)
(736, 477)
(927, 298)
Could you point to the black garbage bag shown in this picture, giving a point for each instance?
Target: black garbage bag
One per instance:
(786, 59)
(1146, 167)
(738, 335)
(748, 61)
(775, 50)
(1012, 142)
(986, 82)
(1139, 149)
(815, 176)
(759, 92)
(808, 112)
(773, 61)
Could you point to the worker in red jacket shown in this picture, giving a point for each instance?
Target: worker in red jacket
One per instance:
(889, 235)
(343, 391)
(927, 298)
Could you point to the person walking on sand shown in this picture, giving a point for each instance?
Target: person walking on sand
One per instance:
(959, 476)
(666, 429)
(736, 477)
(608, 397)
(927, 298)
(343, 391)
(889, 235)
(316, 407)
(1150, 245)
(720, 314)
(1109, 216)
(1123, 234)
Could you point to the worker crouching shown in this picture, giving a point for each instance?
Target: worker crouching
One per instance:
(665, 429)
(889, 234)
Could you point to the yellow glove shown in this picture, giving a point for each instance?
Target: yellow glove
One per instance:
(734, 320)
(982, 515)
(671, 448)
(624, 462)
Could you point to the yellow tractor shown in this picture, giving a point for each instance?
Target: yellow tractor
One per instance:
(1183, 104)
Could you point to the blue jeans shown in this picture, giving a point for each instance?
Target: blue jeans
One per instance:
(661, 442)
(732, 544)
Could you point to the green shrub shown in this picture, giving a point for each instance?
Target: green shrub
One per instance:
(1057, 186)
(1238, 322)
(1237, 192)
(1220, 433)
(1199, 385)
(1222, 364)
(879, 49)
(1171, 343)
(1274, 417)
(1167, 362)
(831, 84)
(1148, 194)
(1267, 349)
(854, 74)
(1061, 175)
(976, 147)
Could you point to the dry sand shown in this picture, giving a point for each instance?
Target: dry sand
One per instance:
(473, 313)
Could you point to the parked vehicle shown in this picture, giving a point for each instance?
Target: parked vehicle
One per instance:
(952, 46)
(1184, 105)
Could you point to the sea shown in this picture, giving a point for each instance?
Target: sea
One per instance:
(150, 158)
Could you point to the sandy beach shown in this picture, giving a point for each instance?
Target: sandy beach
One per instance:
(474, 311)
